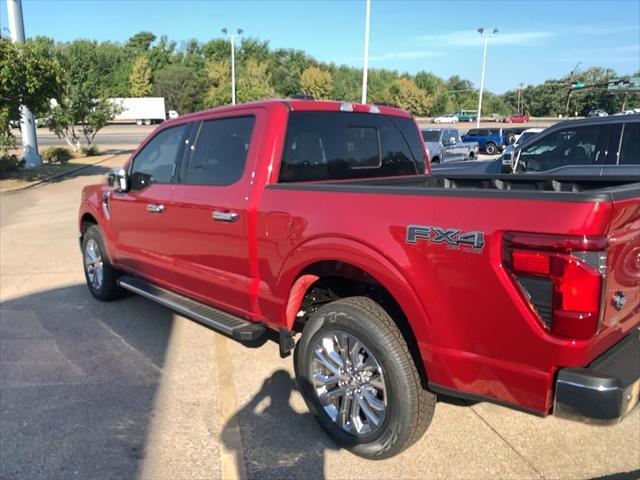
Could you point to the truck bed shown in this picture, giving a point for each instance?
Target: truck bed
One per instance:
(530, 187)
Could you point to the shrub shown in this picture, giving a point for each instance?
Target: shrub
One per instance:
(89, 151)
(57, 154)
(10, 162)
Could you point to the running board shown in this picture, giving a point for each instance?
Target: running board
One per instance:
(235, 327)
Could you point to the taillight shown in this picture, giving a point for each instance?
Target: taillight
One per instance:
(562, 278)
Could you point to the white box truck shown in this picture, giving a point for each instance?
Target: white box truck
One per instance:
(146, 110)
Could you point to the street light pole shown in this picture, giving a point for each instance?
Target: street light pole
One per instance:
(486, 36)
(366, 53)
(232, 39)
(575, 69)
(27, 121)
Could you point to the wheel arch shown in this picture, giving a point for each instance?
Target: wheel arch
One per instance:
(355, 269)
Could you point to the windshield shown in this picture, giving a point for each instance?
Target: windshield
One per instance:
(525, 137)
(430, 135)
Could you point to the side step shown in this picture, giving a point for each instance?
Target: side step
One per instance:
(235, 327)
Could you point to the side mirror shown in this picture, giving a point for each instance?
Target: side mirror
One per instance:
(118, 179)
(452, 140)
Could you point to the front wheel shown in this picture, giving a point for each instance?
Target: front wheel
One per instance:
(491, 149)
(358, 378)
(101, 277)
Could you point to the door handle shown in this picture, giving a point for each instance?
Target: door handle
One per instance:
(155, 208)
(224, 216)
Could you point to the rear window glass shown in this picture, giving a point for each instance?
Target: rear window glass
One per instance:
(431, 135)
(344, 145)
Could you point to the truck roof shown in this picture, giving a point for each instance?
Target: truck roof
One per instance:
(295, 105)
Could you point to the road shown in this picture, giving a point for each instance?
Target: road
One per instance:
(129, 390)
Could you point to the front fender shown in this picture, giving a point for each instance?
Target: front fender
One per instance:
(369, 260)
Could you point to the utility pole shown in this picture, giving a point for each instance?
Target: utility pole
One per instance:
(366, 53)
(486, 36)
(520, 98)
(232, 39)
(27, 121)
(575, 69)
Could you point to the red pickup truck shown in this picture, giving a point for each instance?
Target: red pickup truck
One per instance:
(317, 221)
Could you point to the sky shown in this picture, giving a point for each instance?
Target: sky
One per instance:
(536, 40)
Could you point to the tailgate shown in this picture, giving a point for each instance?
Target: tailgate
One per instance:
(621, 297)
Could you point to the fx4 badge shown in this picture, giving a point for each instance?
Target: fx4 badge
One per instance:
(452, 238)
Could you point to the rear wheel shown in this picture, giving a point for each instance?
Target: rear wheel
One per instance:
(435, 161)
(358, 378)
(101, 277)
(491, 148)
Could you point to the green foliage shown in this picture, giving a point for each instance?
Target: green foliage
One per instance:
(29, 75)
(140, 78)
(57, 155)
(82, 108)
(253, 82)
(182, 88)
(405, 94)
(10, 162)
(317, 83)
(89, 151)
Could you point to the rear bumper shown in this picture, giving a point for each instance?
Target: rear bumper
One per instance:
(605, 391)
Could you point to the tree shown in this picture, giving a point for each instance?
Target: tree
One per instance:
(405, 94)
(286, 67)
(253, 82)
(140, 78)
(182, 88)
(30, 76)
(140, 43)
(81, 108)
(317, 83)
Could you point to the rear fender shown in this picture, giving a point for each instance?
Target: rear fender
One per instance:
(293, 283)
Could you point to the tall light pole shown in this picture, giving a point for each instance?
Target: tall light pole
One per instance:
(365, 68)
(27, 121)
(232, 39)
(486, 36)
(575, 69)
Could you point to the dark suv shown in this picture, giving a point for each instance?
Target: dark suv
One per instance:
(602, 146)
(593, 146)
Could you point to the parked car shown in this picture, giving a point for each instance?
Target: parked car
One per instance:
(516, 118)
(206, 220)
(523, 138)
(449, 118)
(597, 113)
(466, 115)
(490, 140)
(444, 145)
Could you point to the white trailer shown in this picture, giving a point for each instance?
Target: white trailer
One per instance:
(145, 110)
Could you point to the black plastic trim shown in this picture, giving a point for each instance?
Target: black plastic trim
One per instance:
(605, 391)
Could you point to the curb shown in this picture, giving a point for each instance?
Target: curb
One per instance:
(62, 175)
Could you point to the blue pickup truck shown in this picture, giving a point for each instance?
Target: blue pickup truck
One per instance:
(490, 140)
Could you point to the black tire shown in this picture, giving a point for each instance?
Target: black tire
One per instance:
(435, 161)
(511, 139)
(472, 156)
(490, 148)
(107, 289)
(409, 407)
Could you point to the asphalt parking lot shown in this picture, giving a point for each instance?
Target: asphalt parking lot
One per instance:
(129, 390)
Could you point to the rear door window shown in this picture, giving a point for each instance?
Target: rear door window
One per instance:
(219, 153)
(344, 145)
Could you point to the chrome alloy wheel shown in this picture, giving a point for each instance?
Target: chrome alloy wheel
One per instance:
(93, 264)
(349, 383)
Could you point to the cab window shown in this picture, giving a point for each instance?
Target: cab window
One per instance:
(219, 153)
(155, 163)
